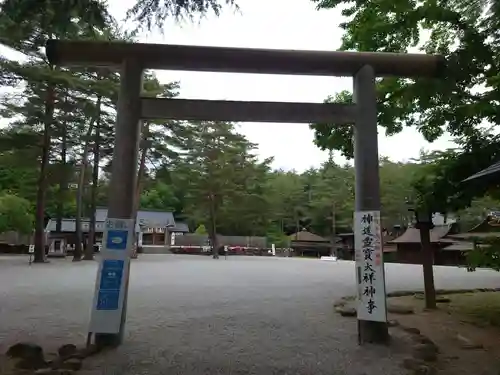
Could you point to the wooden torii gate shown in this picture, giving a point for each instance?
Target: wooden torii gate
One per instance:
(132, 58)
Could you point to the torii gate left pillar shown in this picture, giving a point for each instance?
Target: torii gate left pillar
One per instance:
(123, 182)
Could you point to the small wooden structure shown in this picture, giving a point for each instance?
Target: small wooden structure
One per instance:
(305, 243)
(152, 228)
(409, 246)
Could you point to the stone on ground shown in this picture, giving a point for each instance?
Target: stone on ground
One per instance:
(399, 309)
(66, 350)
(28, 356)
(348, 311)
(425, 352)
(412, 330)
(422, 339)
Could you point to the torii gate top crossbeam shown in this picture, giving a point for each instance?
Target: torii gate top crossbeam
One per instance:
(241, 60)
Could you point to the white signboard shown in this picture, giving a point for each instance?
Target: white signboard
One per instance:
(112, 276)
(369, 266)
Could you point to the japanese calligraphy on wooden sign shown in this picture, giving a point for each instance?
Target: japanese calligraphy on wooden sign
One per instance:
(369, 266)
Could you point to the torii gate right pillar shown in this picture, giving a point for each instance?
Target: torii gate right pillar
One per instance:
(367, 199)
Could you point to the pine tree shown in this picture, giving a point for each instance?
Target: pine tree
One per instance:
(212, 171)
(26, 26)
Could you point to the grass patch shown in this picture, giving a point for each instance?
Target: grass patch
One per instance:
(479, 308)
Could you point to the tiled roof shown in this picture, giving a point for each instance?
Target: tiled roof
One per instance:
(490, 224)
(412, 235)
(459, 246)
(462, 246)
(69, 225)
(307, 236)
(474, 235)
(180, 227)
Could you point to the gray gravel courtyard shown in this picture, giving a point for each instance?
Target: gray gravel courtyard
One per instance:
(195, 315)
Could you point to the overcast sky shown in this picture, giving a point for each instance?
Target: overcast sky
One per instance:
(286, 24)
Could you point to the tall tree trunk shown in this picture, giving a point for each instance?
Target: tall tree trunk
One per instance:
(63, 180)
(140, 177)
(39, 256)
(427, 255)
(334, 230)
(77, 255)
(142, 167)
(89, 250)
(212, 232)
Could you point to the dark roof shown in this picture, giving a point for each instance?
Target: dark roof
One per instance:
(180, 227)
(69, 225)
(489, 227)
(492, 169)
(490, 224)
(306, 236)
(470, 235)
(412, 235)
(144, 218)
(459, 246)
(154, 219)
(462, 246)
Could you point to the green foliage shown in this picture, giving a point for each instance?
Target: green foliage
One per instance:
(201, 229)
(477, 212)
(333, 136)
(276, 236)
(486, 254)
(15, 214)
(462, 31)
(218, 175)
(440, 185)
(159, 197)
(25, 25)
(149, 13)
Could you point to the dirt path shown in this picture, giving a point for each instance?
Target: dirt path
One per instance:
(465, 348)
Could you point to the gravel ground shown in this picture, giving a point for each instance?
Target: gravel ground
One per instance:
(194, 315)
